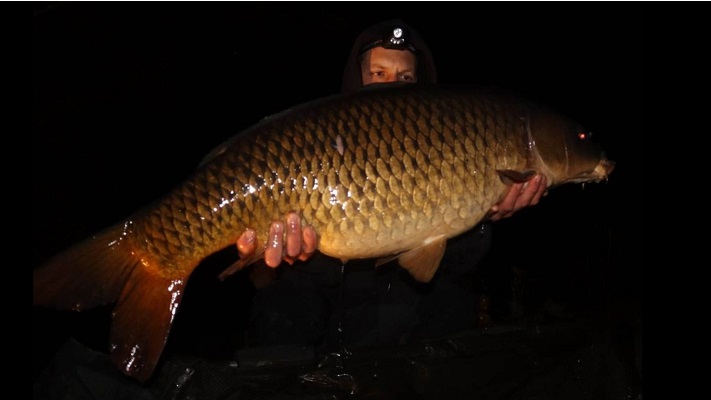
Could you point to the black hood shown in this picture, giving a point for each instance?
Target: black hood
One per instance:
(371, 37)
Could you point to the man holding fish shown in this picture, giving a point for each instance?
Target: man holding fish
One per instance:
(403, 171)
(294, 309)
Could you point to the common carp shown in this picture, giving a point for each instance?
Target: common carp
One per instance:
(387, 172)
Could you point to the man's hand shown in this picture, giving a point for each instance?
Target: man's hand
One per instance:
(520, 195)
(300, 243)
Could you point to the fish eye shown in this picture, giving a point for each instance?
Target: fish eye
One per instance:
(584, 135)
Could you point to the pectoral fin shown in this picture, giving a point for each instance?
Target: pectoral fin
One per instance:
(510, 176)
(422, 262)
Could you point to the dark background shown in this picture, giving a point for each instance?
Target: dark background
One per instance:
(128, 97)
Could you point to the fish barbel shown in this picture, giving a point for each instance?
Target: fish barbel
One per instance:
(386, 173)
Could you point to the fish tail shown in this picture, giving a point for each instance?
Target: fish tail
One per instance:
(107, 269)
(142, 319)
(88, 274)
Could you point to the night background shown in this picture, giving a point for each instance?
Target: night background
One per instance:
(128, 98)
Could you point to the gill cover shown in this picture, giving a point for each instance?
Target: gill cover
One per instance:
(565, 148)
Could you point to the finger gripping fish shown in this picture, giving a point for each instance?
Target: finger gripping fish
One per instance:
(384, 173)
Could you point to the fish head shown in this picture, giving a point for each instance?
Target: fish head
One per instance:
(567, 151)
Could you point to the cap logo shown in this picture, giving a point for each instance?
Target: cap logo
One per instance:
(397, 38)
(394, 40)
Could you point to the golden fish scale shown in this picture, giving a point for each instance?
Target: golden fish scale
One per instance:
(374, 175)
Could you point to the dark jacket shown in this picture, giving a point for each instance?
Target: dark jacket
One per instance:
(318, 302)
(468, 250)
(379, 35)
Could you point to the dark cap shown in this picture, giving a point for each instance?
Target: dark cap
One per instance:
(396, 38)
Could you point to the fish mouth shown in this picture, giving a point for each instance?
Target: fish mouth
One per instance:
(600, 173)
(603, 169)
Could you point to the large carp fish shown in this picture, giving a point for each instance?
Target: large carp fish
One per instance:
(387, 173)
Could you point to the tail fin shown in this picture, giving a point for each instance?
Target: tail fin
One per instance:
(106, 269)
(88, 274)
(142, 320)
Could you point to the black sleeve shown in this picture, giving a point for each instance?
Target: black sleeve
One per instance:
(465, 252)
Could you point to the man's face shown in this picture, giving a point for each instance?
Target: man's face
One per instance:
(381, 65)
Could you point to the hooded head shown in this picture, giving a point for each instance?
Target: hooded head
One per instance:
(392, 35)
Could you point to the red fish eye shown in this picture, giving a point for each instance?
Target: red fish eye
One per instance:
(582, 135)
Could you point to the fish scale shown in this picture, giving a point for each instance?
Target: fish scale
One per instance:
(256, 167)
(388, 172)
